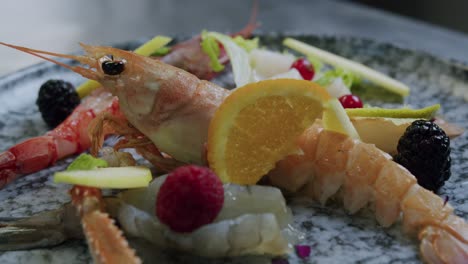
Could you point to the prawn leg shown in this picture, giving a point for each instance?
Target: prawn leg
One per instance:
(131, 138)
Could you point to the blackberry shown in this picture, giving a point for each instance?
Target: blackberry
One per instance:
(424, 149)
(56, 100)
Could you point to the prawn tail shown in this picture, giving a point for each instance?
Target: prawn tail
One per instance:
(446, 242)
(29, 156)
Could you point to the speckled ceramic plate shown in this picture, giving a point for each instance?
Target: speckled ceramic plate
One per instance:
(335, 236)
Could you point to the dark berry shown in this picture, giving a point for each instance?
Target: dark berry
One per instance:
(350, 101)
(190, 197)
(56, 100)
(424, 149)
(305, 68)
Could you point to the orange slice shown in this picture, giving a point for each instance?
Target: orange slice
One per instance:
(258, 124)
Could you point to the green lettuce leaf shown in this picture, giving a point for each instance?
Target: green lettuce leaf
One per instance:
(87, 162)
(247, 44)
(329, 76)
(237, 55)
(210, 46)
(161, 51)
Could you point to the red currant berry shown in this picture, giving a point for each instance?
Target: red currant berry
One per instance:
(305, 68)
(350, 101)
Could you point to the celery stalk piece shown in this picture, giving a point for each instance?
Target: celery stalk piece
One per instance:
(113, 177)
(354, 67)
(145, 50)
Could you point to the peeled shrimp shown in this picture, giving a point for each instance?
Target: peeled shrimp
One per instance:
(253, 220)
(334, 165)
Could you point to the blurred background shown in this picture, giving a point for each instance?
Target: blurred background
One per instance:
(58, 25)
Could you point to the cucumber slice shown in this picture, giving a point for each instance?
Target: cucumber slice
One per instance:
(116, 178)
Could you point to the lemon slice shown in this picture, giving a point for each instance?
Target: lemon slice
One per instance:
(117, 178)
(259, 123)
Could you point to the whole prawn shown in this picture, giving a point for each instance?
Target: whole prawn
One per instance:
(334, 165)
(71, 136)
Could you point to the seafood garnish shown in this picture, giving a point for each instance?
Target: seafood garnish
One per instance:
(253, 220)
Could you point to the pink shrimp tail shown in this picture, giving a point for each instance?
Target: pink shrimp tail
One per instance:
(69, 138)
(29, 156)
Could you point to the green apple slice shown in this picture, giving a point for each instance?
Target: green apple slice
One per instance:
(349, 65)
(115, 177)
(423, 113)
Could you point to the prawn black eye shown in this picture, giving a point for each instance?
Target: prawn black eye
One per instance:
(113, 67)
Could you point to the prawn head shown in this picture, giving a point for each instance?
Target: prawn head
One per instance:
(170, 106)
(104, 64)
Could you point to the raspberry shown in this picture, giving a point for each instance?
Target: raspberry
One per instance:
(191, 197)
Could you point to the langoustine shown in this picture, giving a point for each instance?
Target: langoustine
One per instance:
(334, 165)
(71, 136)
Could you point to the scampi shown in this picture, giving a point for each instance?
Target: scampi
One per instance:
(71, 136)
(359, 174)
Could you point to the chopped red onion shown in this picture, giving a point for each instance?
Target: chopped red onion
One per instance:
(303, 251)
